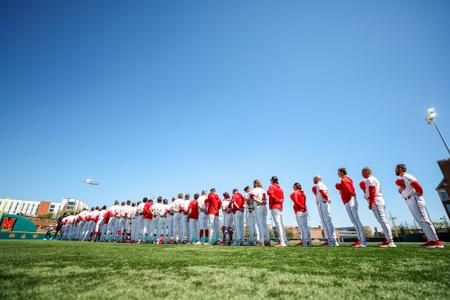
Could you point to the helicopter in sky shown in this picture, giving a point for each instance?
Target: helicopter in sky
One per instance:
(91, 181)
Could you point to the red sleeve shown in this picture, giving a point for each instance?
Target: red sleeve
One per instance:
(417, 187)
(362, 185)
(314, 190)
(400, 183)
(324, 194)
(338, 186)
(372, 193)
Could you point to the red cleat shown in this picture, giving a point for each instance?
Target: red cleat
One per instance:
(324, 244)
(435, 244)
(357, 244)
(384, 244)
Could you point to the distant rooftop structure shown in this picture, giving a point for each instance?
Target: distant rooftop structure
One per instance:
(39, 208)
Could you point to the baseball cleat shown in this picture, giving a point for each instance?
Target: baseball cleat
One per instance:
(435, 244)
(392, 245)
(384, 244)
(357, 244)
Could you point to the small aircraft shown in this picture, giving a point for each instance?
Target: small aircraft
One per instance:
(91, 181)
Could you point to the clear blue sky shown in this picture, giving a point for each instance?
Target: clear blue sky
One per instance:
(161, 97)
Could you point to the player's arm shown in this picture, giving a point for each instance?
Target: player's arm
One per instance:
(324, 195)
(372, 194)
(417, 187)
(401, 185)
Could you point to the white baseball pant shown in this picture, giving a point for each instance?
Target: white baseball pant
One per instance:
(213, 227)
(380, 215)
(138, 227)
(416, 205)
(239, 227)
(111, 231)
(277, 216)
(352, 210)
(302, 221)
(170, 226)
(253, 231)
(185, 227)
(147, 234)
(261, 218)
(194, 230)
(177, 227)
(327, 223)
(80, 227)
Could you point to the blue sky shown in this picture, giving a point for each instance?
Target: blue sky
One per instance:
(152, 97)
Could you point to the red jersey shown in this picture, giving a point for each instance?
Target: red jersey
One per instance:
(276, 196)
(299, 199)
(213, 203)
(147, 213)
(193, 209)
(239, 202)
(346, 189)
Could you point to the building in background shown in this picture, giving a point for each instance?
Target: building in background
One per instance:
(443, 189)
(73, 204)
(39, 208)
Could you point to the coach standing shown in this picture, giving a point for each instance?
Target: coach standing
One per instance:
(276, 198)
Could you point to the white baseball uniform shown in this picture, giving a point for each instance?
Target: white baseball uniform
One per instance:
(416, 205)
(325, 213)
(261, 214)
(379, 206)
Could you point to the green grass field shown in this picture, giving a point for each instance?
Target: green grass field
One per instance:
(69, 270)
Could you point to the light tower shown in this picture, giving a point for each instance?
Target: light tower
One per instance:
(429, 118)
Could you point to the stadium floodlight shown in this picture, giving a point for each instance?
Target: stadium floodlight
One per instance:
(431, 114)
(429, 118)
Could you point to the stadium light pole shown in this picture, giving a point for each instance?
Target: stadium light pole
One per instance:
(429, 118)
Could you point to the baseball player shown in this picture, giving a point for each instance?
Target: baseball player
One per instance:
(177, 224)
(373, 194)
(193, 213)
(147, 221)
(70, 230)
(227, 219)
(276, 199)
(184, 206)
(131, 222)
(348, 196)
(202, 216)
(238, 209)
(160, 211)
(250, 212)
(112, 229)
(301, 214)
(412, 192)
(213, 204)
(91, 222)
(139, 220)
(170, 222)
(81, 224)
(259, 196)
(164, 211)
(102, 223)
(120, 222)
(323, 203)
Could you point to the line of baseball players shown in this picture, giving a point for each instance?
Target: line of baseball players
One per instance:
(197, 220)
